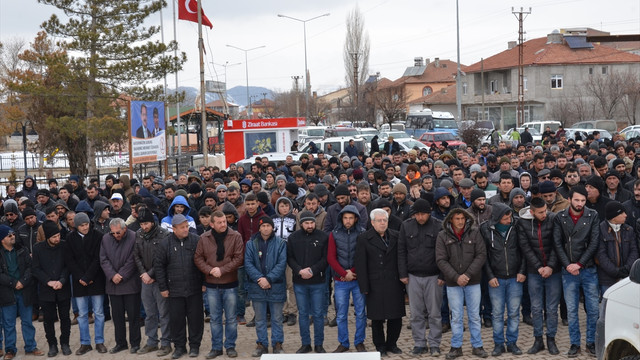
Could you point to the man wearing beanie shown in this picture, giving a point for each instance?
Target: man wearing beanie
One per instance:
(27, 234)
(180, 281)
(576, 234)
(479, 209)
(596, 199)
(552, 197)
(343, 198)
(88, 281)
(618, 248)
(265, 261)
(218, 256)
(156, 307)
(517, 200)
(418, 271)
(54, 291)
(122, 284)
(615, 191)
(307, 257)
(400, 206)
(281, 182)
(17, 295)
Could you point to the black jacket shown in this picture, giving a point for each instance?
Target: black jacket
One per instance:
(504, 259)
(308, 250)
(49, 265)
(27, 236)
(599, 206)
(174, 266)
(146, 246)
(609, 270)
(538, 251)
(401, 210)
(83, 261)
(8, 283)
(417, 248)
(576, 243)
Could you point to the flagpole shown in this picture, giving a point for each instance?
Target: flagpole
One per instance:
(205, 138)
(175, 53)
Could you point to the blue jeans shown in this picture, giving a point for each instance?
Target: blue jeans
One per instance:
(342, 290)
(277, 334)
(547, 290)
(219, 300)
(9, 316)
(509, 294)
(242, 292)
(587, 279)
(97, 306)
(310, 300)
(458, 296)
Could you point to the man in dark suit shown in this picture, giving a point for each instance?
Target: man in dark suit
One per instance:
(156, 123)
(142, 131)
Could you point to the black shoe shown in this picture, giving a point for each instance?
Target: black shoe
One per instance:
(514, 349)
(454, 353)
(83, 349)
(538, 345)
(479, 352)
(574, 351)
(101, 348)
(178, 352)
(53, 351)
(333, 322)
(231, 352)
(565, 322)
(446, 327)
(66, 350)
(418, 350)
(395, 350)
(116, 349)
(591, 349)
(498, 350)
(434, 351)
(260, 349)
(304, 349)
(252, 323)
(291, 320)
(319, 349)
(193, 352)
(527, 320)
(488, 323)
(285, 318)
(214, 354)
(134, 349)
(382, 351)
(551, 345)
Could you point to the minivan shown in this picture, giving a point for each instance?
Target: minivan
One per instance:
(541, 126)
(609, 125)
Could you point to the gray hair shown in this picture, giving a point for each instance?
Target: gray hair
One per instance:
(118, 222)
(555, 148)
(378, 212)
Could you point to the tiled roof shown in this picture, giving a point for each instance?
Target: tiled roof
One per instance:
(538, 52)
(445, 72)
(446, 95)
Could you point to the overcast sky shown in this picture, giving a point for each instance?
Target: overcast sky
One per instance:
(399, 30)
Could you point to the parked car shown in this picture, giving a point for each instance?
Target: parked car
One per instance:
(604, 134)
(340, 131)
(629, 128)
(369, 133)
(338, 144)
(407, 144)
(397, 135)
(609, 125)
(309, 133)
(617, 334)
(541, 126)
(535, 134)
(273, 157)
(438, 137)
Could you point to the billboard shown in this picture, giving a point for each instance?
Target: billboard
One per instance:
(147, 124)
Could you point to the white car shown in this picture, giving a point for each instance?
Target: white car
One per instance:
(604, 134)
(338, 144)
(407, 144)
(397, 135)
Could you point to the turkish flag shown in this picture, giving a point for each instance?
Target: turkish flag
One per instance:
(188, 10)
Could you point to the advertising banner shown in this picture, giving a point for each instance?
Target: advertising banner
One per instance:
(148, 140)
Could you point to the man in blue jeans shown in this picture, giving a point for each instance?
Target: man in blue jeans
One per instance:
(340, 256)
(17, 291)
(307, 257)
(576, 234)
(505, 270)
(535, 235)
(218, 255)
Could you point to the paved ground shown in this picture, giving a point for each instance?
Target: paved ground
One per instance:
(247, 337)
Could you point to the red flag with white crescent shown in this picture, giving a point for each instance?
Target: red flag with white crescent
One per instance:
(188, 10)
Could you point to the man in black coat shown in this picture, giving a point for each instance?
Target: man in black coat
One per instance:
(180, 280)
(17, 294)
(526, 136)
(376, 263)
(83, 260)
(53, 284)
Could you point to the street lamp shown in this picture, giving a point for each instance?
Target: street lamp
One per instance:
(31, 136)
(306, 70)
(226, 65)
(246, 67)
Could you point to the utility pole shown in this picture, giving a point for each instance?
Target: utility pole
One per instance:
(296, 78)
(203, 114)
(355, 80)
(520, 15)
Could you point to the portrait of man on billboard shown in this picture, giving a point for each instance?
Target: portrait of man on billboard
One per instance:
(143, 132)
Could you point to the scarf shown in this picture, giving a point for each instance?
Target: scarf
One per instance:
(219, 237)
(615, 227)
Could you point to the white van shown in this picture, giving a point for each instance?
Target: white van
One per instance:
(541, 126)
(308, 133)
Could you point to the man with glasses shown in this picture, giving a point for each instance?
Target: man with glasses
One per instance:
(221, 192)
(571, 179)
(11, 215)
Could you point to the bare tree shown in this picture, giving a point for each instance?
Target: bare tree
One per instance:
(608, 89)
(390, 101)
(356, 57)
(631, 99)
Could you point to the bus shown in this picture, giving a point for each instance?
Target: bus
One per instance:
(426, 120)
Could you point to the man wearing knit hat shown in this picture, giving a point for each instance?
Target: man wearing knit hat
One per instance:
(17, 294)
(26, 236)
(419, 272)
(343, 198)
(464, 197)
(551, 197)
(576, 234)
(83, 258)
(400, 206)
(479, 209)
(596, 199)
(517, 200)
(156, 307)
(307, 257)
(50, 268)
(615, 191)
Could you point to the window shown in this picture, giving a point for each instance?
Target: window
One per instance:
(590, 71)
(494, 86)
(427, 91)
(525, 83)
(464, 88)
(556, 81)
(604, 70)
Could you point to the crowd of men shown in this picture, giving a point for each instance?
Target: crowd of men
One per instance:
(504, 230)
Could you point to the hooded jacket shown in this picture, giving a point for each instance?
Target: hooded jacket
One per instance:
(285, 224)
(504, 259)
(98, 208)
(166, 221)
(436, 212)
(342, 245)
(536, 242)
(12, 207)
(30, 192)
(333, 213)
(456, 256)
(227, 208)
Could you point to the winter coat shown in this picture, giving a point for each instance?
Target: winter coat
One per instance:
(205, 257)
(116, 257)
(417, 248)
(284, 225)
(377, 268)
(576, 243)
(342, 245)
(174, 266)
(402, 210)
(609, 270)
(504, 259)
(27, 236)
(308, 250)
(333, 212)
(83, 260)
(249, 225)
(98, 208)
(49, 265)
(30, 192)
(320, 214)
(166, 221)
(480, 216)
(275, 265)
(456, 257)
(536, 242)
(145, 250)
(8, 283)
